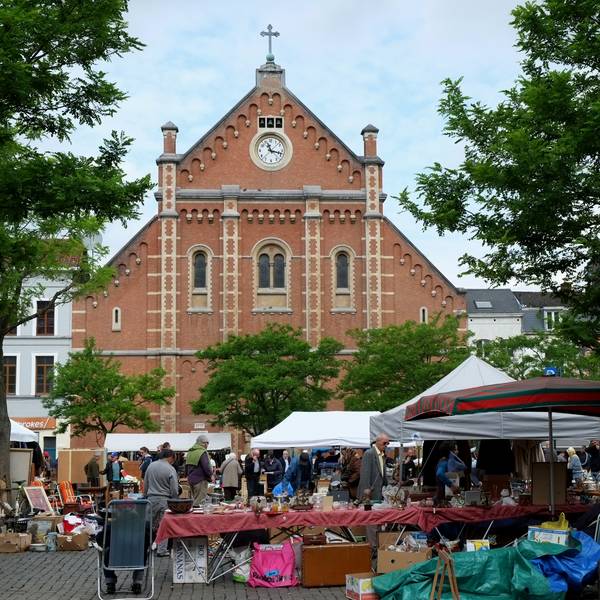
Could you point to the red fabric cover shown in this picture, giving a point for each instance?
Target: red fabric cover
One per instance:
(273, 565)
(194, 524)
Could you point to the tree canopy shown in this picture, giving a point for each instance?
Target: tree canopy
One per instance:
(393, 364)
(525, 356)
(255, 381)
(529, 186)
(90, 394)
(53, 203)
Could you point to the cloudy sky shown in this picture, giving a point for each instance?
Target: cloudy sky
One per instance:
(352, 63)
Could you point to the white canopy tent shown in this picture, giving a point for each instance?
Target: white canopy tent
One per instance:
(318, 430)
(474, 372)
(180, 442)
(20, 433)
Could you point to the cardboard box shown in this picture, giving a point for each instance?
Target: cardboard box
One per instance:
(14, 542)
(53, 519)
(393, 560)
(329, 564)
(359, 586)
(540, 483)
(554, 536)
(73, 541)
(186, 570)
(477, 545)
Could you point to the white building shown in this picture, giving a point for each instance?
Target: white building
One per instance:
(30, 354)
(493, 314)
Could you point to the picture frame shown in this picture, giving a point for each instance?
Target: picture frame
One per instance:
(37, 498)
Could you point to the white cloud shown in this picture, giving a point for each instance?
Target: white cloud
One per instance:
(350, 63)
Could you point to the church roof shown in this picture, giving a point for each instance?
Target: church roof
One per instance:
(292, 97)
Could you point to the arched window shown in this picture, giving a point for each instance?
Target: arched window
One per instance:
(271, 268)
(341, 271)
(423, 315)
(279, 271)
(264, 268)
(199, 278)
(200, 270)
(271, 277)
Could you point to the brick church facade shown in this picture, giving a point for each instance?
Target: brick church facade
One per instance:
(269, 217)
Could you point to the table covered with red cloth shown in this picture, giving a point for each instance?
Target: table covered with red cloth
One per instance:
(426, 518)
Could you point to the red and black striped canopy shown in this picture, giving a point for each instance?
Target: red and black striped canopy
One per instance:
(561, 394)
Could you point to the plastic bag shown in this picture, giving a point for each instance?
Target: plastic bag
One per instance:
(241, 558)
(280, 489)
(562, 523)
(273, 565)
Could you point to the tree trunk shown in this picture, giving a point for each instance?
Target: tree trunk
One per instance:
(4, 425)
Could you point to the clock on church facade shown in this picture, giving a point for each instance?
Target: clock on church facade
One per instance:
(268, 217)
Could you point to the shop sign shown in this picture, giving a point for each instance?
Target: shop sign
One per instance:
(36, 423)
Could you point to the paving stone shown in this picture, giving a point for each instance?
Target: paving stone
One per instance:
(72, 576)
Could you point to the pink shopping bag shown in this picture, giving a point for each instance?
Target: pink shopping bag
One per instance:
(273, 565)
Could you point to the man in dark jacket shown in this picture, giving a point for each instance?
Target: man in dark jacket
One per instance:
(594, 462)
(252, 470)
(145, 460)
(372, 469)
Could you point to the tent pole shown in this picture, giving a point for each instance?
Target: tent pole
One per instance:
(551, 443)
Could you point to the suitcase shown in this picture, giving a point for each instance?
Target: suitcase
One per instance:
(329, 564)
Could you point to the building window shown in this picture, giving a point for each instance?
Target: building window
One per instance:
(270, 122)
(117, 318)
(43, 371)
(342, 265)
(551, 319)
(199, 260)
(423, 315)
(271, 277)
(264, 271)
(271, 268)
(481, 346)
(200, 271)
(45, 321)
(10, 375)
(341, 271)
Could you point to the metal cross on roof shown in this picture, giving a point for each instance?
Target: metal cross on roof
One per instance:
(270, 34)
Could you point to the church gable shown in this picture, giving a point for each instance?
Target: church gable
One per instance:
(231, 152)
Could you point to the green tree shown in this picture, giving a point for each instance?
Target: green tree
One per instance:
(90, 394)
(529, 186)
(393, 364)
(52, 202)
(525, 356)
(257, 380)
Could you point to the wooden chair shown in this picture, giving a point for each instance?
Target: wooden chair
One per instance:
(444, 566)
(68, 498)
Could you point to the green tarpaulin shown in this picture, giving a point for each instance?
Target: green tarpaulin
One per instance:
(501, 574)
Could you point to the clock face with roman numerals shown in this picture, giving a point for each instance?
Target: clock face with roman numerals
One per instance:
(271, 150)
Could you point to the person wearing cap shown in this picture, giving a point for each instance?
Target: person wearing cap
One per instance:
(92, 470)
(198, 469)
(113, 471)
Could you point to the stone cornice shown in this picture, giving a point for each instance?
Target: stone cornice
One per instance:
(267, 195)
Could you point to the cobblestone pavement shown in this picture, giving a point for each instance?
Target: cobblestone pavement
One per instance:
(72, 576)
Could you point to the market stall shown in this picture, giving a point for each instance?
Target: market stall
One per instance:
(474, 372)
(180, 442)
(20, 433)
(348, 429)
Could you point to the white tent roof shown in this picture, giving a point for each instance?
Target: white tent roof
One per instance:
(318, 429)
(474, 372)
(20, 433)
(124, 442)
